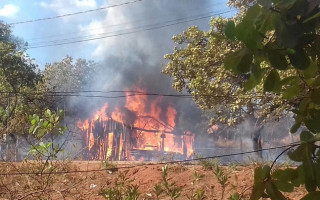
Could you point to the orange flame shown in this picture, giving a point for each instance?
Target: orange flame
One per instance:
(149, 130)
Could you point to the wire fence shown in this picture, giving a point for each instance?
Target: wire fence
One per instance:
(155, 163)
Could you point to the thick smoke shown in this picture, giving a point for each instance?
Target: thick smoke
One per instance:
(137, 59)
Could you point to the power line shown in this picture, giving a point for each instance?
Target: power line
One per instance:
(75, 13)
(131, 94)
(125, 33)
(57, 43)
(108, 26)
(206, 15)
(151, 164)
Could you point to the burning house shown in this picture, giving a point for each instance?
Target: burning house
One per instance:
(137, 131)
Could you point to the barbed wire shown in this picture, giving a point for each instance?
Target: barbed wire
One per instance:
(150, 164)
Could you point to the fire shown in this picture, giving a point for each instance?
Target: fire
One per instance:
(134, 131)
(171, 116)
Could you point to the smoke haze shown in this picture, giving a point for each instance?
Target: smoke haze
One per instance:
(136, 59)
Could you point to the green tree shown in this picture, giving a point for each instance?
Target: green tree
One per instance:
(285, 35)
(196, 65)
(278, 55)
(67, 76)
(19, 82)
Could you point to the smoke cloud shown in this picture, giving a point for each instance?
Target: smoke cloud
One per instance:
(136, 59)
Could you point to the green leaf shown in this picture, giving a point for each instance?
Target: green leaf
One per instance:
(250, 84)
(41, 133)
(273, 191)
(33, 151)
(239, 61)
(47, 113)
(48, 145)
(260, 175)
(306, 136)
(295, 127)
(299, 59)
(282, 178)
(56, 119)
(41, 144)
(312, 196)
(31, 129)
(300, 178)
(272, 82)
(246, 30)
(304, 153)
(230, 30)
(277, 60)
(255, 77)
(315, 100)
(311, 70)
(309, 167)
(45, 124)
(60, 113)
(303, 105)
(257, 191)
(290, 80)
(33, 122)
(284, 186)
(297, 154)
(267, 20)
(291, 92)
(312, 121)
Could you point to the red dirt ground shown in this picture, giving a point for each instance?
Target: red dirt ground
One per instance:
(86, 185)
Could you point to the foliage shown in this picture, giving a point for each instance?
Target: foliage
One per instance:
(198, 194)
(270, 58)
(18, 77)
(123, 189)
(220, 174)
(284, 35)
(168, 186)
(43, 129)
(109, 166)
(37, 179)
(196, 65)
(67, 76)
(157, 189)
(208, 164)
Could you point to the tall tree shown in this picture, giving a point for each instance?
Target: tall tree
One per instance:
(67, 76)
(196, 65)
(278, 55)
(19, 82)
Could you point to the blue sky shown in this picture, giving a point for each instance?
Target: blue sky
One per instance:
(112, 21)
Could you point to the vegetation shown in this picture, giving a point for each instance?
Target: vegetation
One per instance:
(25, 90)
(265, 64)
(262, 64)
(123, 189)
(22, 91)
(65, 77)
